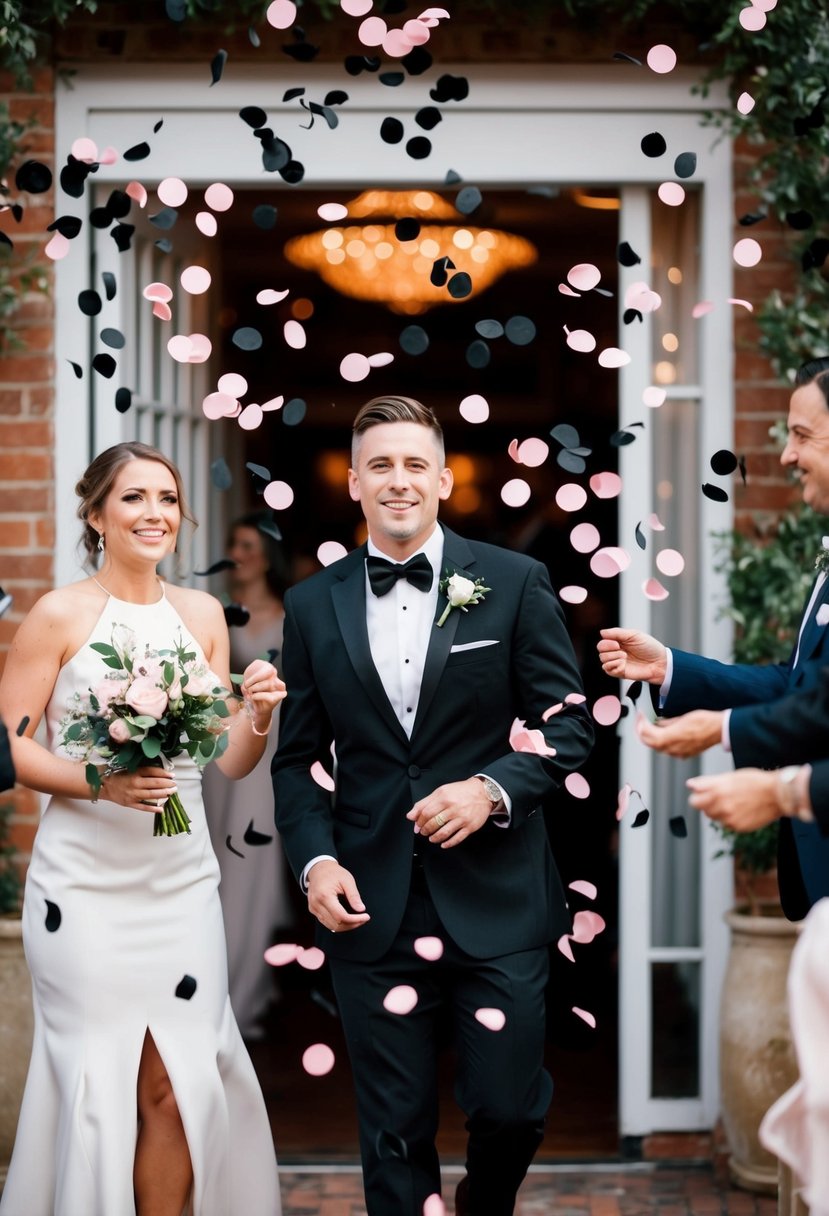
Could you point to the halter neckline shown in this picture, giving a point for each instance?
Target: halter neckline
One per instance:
(162, 597)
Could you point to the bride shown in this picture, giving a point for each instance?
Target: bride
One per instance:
(140, 1095)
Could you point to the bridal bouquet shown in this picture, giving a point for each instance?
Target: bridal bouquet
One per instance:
(147, 709)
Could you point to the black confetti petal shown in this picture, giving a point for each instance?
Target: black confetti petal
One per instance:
(158, 126)
(122, 235)
(489, 329)
(289, 95)
(625, 58)
(247, 338)
(224, 563)
(73, 177)
(450, 88)
(335, 97)
(603, 291)
(113, 338)
(230, 846)
(630, 315)
(217, 66)
(109, 284)
(176, 9)
(678, 826)
(5, 239)
(76, 368)
(799, 220)
(276, 155)
(164, 219)
(293, 172)
(253, 37)
(254, 116)
(566, 435)
(391, 79)
(264, 216)
(468, 200)
(460, 286)
(164, 245)
(640, 537)
(815, 255)
(355, 64)
(520, 331)
(253, 837)
(236, 616)
(259, 471)
(303, 52)
(428, 118)
(419, 147)
(751, 217)
(33, 177)
(452, 178)
(104, 365)
(641, 818)
(414, 340)
(654, 144)
(123, 400)
(571, 463)
(22, 724)
(620, 439)
(137, 152)
(186, 987)
(685, 164)
(741, 464)
(627, 255)
(67, 225)
(407, 229)
(268, 526)
(99, 217)
(417, 62)
(294, 411)
(478, 353)
(220, 475)
(89, 302)
(439, 272)
(723, 462)
(53, 917)
(714, 492)
(634, 692)
(118, 204)
(330, 117)
(581, 451)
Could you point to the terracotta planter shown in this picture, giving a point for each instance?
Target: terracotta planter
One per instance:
(757, 1058)
(16, 1025)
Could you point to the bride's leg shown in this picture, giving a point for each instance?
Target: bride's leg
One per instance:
(163, 1175)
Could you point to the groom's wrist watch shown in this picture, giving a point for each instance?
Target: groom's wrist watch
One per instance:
(492, 791)
(793, 792)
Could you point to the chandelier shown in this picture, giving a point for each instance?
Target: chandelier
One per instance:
(368, 261)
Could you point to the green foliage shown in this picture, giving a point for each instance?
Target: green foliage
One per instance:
(23, 24)
(10, 884)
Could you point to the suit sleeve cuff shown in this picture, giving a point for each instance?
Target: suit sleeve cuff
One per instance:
(665, 687)
(303, 878)
(501, 813)
(725, 738)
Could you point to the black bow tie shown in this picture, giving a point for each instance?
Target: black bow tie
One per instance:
(383, 574)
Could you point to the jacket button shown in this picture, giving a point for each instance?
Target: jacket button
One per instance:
(414, 772)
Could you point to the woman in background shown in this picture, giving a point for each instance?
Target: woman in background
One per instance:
(254, 888)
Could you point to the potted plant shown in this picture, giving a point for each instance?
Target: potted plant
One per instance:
(15, 994)
(768, 582)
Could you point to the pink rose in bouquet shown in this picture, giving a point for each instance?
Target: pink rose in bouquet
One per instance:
(119, 731)
(145, 697)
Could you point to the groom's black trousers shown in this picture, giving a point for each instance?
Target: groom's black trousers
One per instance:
(501, 1084)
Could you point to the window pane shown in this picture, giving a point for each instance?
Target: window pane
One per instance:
(675, 998)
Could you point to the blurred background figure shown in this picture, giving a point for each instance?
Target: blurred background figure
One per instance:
(254, 886)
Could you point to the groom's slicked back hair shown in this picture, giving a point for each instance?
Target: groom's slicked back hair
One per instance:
(394, 409)
(815, 371)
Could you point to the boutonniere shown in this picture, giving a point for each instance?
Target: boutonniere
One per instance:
(822, 617)
(460, 592)
(822, 560)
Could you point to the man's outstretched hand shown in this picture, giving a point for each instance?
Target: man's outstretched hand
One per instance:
(330, 888)
(627, 654)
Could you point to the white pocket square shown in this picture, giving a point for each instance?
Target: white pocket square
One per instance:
(475, 645)
(822, 617)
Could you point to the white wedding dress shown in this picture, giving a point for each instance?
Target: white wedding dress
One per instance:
(123, 934)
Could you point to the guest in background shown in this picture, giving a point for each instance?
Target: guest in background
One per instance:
(253, 890)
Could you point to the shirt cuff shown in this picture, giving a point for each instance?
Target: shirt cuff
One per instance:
(501, 815)
(665, 687)
(303, 878)
(725, 737)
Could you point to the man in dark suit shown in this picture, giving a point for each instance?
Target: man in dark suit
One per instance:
(721, 693)
(411, 659)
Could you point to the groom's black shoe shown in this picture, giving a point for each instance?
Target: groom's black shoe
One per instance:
(462, 1197)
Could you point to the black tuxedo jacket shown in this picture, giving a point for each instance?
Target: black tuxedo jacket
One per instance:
(498, 892)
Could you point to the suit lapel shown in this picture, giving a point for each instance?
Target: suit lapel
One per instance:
(457, 556)
(812, 632)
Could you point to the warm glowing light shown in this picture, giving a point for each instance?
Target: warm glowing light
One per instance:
(674, 274)
(664, 372)
(332, 239)
(430, 248)
(670, 342)
(595, 202)
(302, 309)
(463, 470)
(463, 239)
(665, 490)
(424, 201)
(466, 500)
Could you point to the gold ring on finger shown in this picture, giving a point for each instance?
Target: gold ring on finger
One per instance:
(440, 819)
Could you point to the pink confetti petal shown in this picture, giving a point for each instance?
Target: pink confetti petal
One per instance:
(492, 1019)
(670, 562)
(584, 887)
(573, 594)
(137, 193)
(623, 801)
(584, 277)
(434, 14)
(604, 564)
(372, 31)
(172, 192)
(86, 150)
(58, 247)
(381, 359)
(180, 348)
(318, 1059)
(416, 31)
(163, 311)
(330, 551)
(702, 309)
(108, 156)
(396, 44)
(311, 959)
(566, 949)
(219, 405)
(571, 497)
(513, 451)
(586, 926)
(606, 485)
(568, 291)
(219, 197)
(585, 1016)
(206, 223)
(275, 403)
(747, 252)
(279, 495)
(430, 948)
(620, 556)
(554, 709)
(654, 590)
(195, 280)
(516, 492)
(533, 741)
(581, 340)
(251, 417)
(612, 356)
(653, 397)
(294, 335)
(655, 523)
(575, 698)
(474, 408)
(281, 14)
(158, 291)
(661, 59)
(281, 954)
(745, 103)
(752, 19)
(401, 999)
(671, 194)
(577, 785)
(354, 367)
(232, 383)
(356, 8)
(269, 296)
(533, 452)
(585, 538)
(743, 303)
(640, 297)
(322, 777)
(433, 1205)
(607, 710)
(200, 348)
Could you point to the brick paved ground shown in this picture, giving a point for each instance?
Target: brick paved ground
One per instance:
(638, 1191)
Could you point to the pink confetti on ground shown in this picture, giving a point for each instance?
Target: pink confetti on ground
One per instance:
(430, 948)
(571, 497)
(612, 356)
(581, 340)
(311, 959)
(354, 367)
(564, 946)
(322, 777)
(670, 562)
(554, 709)
(281, 14)
(606, 485)
(585, 1016)
(671, 194)
(654, 590)
(516, 492)
(747, 252)
(172, 192)
(533, 452)
(474, 408)
(493, 1019)
(382, 359)
(586, 926)
(702, 309)
(206, 223)
(655, 523)
(275, 403)
(269, 296)
(372, 31)
(86, 150)
(752, 19)
(219, 405)
(58, 247)
(251, 417)
(577, 785)
(318, 1059)
(401, 999)
(745, 103)
(294, 334)
(433, 1205)
(279, 495)
(661, 58)
(137, 193)
(584, 887)
(512, 451)
(163, 311)
(584, 276)
(623, 801)
(158, 291)
(573, 594)
(568, 291)
(281, 954)
(743, 303)
(232, 383)
(607, 710)
(356, 8)
(195, 280)
(585, 538)
(330, 551)
(219, 197)
(653, 397)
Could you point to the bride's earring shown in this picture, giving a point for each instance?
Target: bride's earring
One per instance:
(100, 542)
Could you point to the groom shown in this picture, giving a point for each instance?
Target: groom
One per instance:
(428, 869)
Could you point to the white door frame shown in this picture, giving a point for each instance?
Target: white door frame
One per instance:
(527, 125)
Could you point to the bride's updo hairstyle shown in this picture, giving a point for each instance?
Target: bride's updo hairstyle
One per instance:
(96, 483)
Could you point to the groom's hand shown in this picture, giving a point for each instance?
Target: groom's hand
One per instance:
(330, 889)
(451, 812)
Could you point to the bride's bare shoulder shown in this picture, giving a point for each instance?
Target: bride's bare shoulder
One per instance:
(66, 602)
(196, 607)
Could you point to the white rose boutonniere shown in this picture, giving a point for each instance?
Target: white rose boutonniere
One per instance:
(460, 592)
